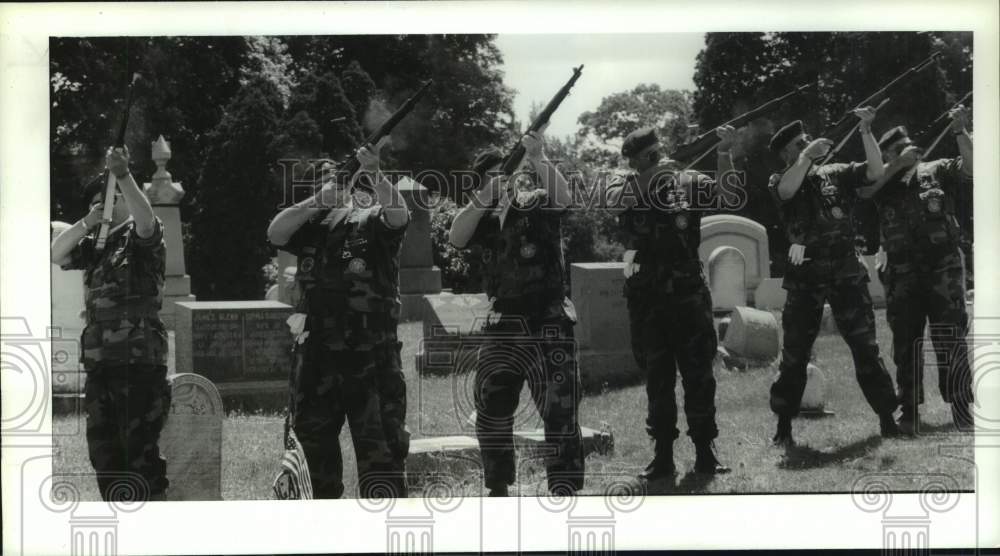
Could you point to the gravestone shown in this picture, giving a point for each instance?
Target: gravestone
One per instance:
(67, 292)
(751, 334)
(730, 230)
(449, 325)
(241, 346)
(165, 195)
(191, 440)
(602, 331)
(769, 295)
(727, 278)
(417, 274)
(814, 396)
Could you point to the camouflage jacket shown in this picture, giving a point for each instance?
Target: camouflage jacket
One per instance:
(349, 278)
(124, 293)
(820, 216)
(664, 227)
(919, 216)
(523, 266)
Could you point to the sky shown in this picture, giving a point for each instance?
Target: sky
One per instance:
(536, 66)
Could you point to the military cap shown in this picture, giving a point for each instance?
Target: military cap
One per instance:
(94, 186)
(639, 140)
(785, 135)
(891, 136)
(486, 159)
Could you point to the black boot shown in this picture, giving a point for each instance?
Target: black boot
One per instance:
(961, 415)
(662, 466)
(705, 460)
(908, 420)
(887, 426)
(783, 437)
(498, 492)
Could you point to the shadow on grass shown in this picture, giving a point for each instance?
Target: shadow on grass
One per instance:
(805, 457)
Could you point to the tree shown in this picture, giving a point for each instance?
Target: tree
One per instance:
(238, 190)
(603, 130)
(737, 71)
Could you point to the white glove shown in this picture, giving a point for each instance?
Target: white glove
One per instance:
(630, 267)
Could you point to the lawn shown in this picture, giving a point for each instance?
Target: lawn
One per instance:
(832, 452)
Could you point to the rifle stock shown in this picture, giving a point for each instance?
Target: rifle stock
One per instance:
(513, 159)
(706, 141)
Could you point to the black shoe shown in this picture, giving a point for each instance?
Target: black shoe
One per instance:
(961, 415)
(706, 462)
(498, 492)
(907, 424)
(662, 466)
(783, 437)
(887, 426)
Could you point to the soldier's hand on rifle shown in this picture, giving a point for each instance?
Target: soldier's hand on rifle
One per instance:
(369, 158)
(797, 254)
(817, 149)
(866, 115)
(95, 215)
(533, 145)
(959, 119)
(727, 137)
(117, 160)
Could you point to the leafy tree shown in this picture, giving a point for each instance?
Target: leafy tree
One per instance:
(737, 71)
(238, 189)
(619, 114)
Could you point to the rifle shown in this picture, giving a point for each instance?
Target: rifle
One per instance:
(941, 122)
(516, 155)
(351, 164)
(707, 141)
(112, 182)
(843, 128)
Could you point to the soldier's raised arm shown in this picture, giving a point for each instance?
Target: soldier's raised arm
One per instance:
(464, 225)
(959, 128)
(135, 200)
(394, 209)
(799, 153)
(289, 220)
(551, 178)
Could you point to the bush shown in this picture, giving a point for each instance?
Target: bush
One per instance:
(461, 269)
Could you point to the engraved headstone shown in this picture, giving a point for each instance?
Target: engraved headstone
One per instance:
(234, 341)
(602, 331)
(730, 230)
(191, 440)
(417, 274)
(727, 278)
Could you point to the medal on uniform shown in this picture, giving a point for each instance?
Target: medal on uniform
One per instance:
(934, 204)
(837, 212)
(357, 266)
(346, 254)
(307, 264)
(681, 221)
(363, 198)
(528, 250)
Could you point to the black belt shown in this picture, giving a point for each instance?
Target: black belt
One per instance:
(831, 252)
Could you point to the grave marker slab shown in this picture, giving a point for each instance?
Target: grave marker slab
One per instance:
(602, 331)
(234, 342)
(727, 278)
(191, 440)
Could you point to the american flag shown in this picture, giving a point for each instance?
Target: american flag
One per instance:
(293, 481)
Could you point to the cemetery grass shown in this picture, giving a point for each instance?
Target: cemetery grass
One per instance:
(831, 454)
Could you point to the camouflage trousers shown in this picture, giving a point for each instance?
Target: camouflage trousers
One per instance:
(918, 293)
(671, 333)
(127, 406)
(331, 386)
(546, 360)
(852, 309)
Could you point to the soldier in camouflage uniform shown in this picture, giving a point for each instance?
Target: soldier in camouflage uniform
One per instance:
(124, 344)
(670, 308)
(924, 274)
(516, 228)
(816, 207)
(347, 356)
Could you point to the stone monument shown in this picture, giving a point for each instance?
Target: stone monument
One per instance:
(165, 195)
(191, 440)
(727, 278)
(417, 274)
(749, 237)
